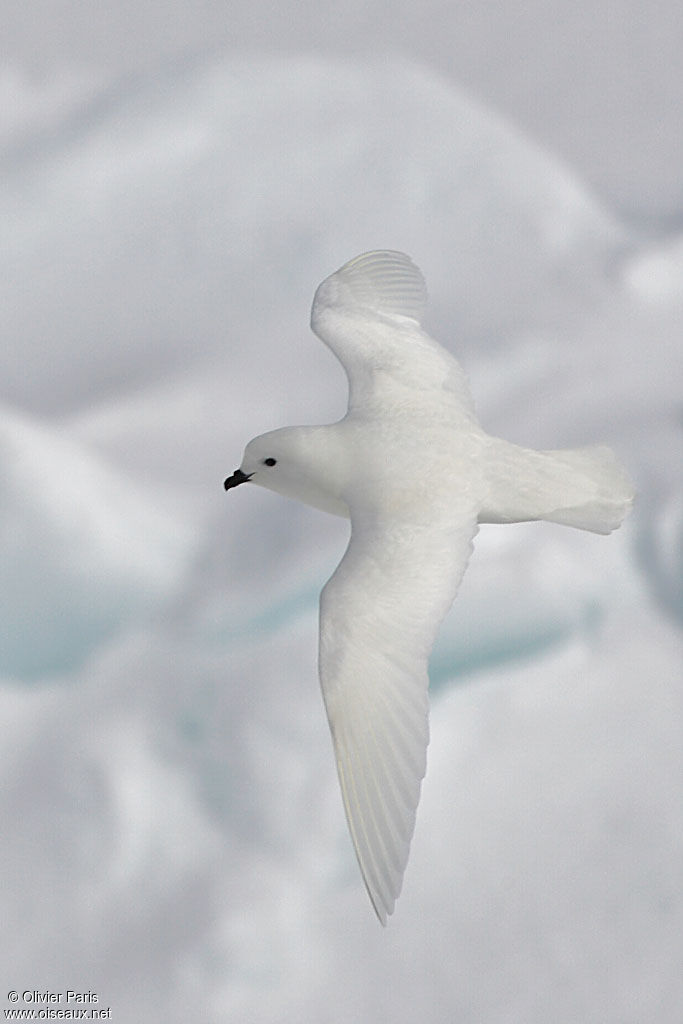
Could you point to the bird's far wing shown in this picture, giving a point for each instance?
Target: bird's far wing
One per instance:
(379, 614)
(368, 313)
(385, 282)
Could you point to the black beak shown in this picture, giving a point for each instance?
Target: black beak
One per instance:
(238, 477)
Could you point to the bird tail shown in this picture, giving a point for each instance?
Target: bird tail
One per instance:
(587, 488)
(599, 490)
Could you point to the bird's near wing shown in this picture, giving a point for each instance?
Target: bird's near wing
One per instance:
(379, 614)
(369, 314)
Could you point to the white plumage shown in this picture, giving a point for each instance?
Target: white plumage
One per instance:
(413, 469)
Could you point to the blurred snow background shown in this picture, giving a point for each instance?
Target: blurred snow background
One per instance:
(175, 183)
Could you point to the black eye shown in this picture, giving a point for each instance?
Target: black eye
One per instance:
(270, 462)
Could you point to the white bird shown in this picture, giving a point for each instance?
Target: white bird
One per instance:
(412, 468)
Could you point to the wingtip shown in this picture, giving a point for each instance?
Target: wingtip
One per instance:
(383, 280)
(381, 912)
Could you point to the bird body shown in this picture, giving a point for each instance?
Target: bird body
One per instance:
(415, 472)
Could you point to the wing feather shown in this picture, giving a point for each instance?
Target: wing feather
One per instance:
(380, 611)
(377, 626)
(369, 314)
(384, 282)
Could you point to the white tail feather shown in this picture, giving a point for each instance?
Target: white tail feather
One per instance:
(603, 491)
(586, 488)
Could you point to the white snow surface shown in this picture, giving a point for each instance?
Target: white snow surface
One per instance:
(171, 831)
